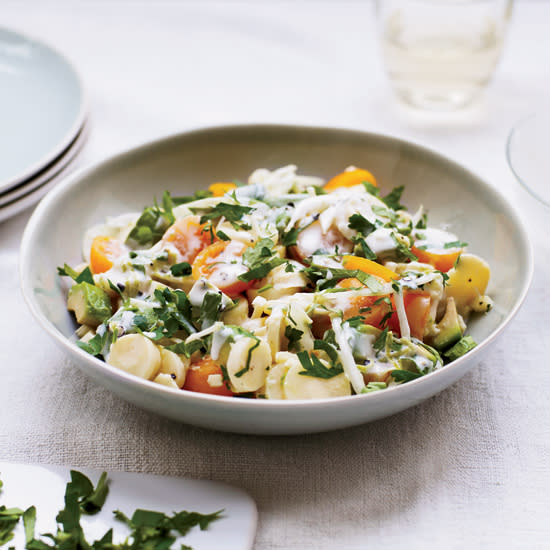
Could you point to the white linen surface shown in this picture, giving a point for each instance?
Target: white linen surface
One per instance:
(469, 468)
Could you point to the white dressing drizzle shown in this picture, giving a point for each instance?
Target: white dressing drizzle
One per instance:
(219, 338)
(348, 362)
(402, 315)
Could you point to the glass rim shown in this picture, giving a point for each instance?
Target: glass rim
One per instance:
(509, 146)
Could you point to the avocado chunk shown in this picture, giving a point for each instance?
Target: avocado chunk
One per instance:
(91, 304)
(450, 328)
(460, 348)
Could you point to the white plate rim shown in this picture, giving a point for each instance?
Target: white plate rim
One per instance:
(64, 143)
(29, 199)
(42, 177)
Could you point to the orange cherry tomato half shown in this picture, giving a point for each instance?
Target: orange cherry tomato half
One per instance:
(198, 374)
(417, 308)
(222, 263)
(219, 189)
(349, 178)
(440, 260)
(189, 236)
(102, 253)
(374, 309)
(369, 267)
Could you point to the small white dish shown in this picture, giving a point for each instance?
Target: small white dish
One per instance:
(58, 172)
(44, 487)
(186, 162)
(42, 106)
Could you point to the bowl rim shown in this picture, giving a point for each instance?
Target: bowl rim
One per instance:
(509, 154)
(74, 179)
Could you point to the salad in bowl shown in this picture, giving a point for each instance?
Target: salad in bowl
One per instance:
(285, 287)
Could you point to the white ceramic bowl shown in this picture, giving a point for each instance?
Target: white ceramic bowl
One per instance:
(455, 197)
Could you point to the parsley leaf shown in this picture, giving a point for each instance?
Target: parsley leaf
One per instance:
(148, 529)
(210, 309)
(313, 366)
(361, 224)
(95, 345)
(153, 223)
(85, 276)
(455, 244)
(403, 251)
(289, 238)
(319, 275)
(260, 260)
(422, 223)
(180, 270)
(9, 518)
(363, 249)
(222, 236)
(182, 348)
(371, 188)
(248, 357)
(173, 313)
(380, 342)
(231, 212)
(404, 375)
(392, 199)
(328, 348)
(293, 336)
(363, 227)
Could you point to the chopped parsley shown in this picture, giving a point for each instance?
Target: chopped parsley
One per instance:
(324, 277)
(293, 335)
(404, 375)
(455, 244)
(149, 529)
(222, 236)
(313, 366)
(152, 224)
(403, 251)
(380, 342)
(96, 345)
(392, 199)
(85, 276)
(233, 213)
(289, 238)
(361, 224)
(210, 309)
(364, 228)
(182, 269)
(260, 259)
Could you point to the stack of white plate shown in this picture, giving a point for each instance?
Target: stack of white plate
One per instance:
(43, 123)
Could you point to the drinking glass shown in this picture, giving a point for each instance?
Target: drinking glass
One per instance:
(440, 54)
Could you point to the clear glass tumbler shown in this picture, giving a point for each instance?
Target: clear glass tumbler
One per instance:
(440, 54)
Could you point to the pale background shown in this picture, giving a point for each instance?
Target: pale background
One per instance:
(469, 468)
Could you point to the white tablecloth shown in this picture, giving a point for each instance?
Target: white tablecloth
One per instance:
(469, 468)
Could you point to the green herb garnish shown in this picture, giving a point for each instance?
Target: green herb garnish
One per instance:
(404, 375)
(149, 530)
(313, 366)
(392, 199)
(293, 335)
(455, 244)
(231, 212)
(153, 223)
(180, 270)
(85, 276)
